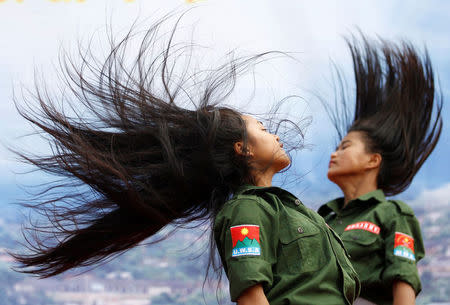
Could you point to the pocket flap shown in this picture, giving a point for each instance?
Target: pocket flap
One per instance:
(295, 228)
(363, 238)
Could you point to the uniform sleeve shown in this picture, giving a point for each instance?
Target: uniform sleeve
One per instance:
(404, 248)
(246, 236)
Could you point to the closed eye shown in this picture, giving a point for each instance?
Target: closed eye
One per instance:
(344, 144)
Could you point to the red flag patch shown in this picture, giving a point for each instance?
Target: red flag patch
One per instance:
(245, 239)
(404, 246)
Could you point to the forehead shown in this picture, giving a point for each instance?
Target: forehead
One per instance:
(249, 120)
(352, 136)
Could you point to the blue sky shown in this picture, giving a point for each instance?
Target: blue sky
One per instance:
(33, 31)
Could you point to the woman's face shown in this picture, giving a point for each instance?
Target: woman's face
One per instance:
(264, 148)
(350, 158)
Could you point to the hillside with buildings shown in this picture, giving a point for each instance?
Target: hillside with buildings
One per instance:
(173, 272)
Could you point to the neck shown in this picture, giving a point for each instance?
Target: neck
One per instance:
(354, 187)
(263, 179)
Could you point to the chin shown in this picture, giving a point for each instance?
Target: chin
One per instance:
(282, 161)
(281, 164)
(285, 162)
(332, 176)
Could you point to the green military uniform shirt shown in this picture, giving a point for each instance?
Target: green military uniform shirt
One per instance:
(384, 241)
(265, 235)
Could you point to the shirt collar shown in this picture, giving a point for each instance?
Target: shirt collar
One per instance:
(253, 189)
(248, 188)
(335, 205)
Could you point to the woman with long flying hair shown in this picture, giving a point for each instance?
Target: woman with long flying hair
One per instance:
(148, 145)
(395, 128)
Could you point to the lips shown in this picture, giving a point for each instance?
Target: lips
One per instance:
(331, 162)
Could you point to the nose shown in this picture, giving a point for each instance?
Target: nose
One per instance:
(334, 154)
(277, 138)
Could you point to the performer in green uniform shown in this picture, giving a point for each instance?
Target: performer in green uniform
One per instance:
(147, 145)
(393, 132)
(274, 249)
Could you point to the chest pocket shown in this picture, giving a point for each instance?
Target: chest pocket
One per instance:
(361, 244)
(301, 245)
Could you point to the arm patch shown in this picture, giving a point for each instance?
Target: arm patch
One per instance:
(404, 246)
(245, 239)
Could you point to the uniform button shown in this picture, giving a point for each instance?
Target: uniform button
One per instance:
(340, 222)
(297, 202)
(300, 230)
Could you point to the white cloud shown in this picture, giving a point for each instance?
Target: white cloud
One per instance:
(433, 197)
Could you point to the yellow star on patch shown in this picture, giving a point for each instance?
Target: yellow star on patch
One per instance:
(244, 231)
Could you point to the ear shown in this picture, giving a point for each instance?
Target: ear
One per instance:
(374, 161)
(240, 150)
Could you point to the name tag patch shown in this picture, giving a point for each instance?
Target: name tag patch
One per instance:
(404, 246)
(364, 225)
(245, 239)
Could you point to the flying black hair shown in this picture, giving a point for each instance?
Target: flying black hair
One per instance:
(396, 107)
(139, 143)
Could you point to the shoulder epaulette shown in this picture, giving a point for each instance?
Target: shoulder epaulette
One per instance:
(258, 200)
(403, 207)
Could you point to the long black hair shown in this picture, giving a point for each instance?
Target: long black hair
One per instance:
(396, 107)
(142, 144)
